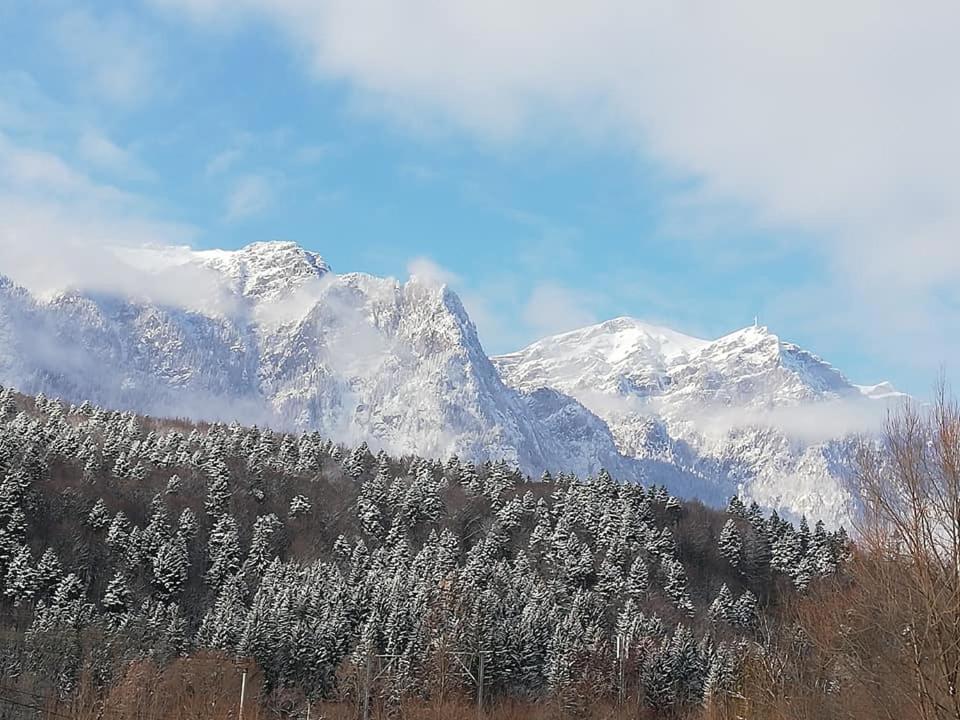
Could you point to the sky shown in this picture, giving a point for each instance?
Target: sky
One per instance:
(692, 164)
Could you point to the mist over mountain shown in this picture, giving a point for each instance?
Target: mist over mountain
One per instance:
(271, 335)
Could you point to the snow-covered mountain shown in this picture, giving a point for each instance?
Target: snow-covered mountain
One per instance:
(270, 334)
(746, 412)
(286, 342)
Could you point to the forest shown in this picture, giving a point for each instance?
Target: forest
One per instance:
(157, 569)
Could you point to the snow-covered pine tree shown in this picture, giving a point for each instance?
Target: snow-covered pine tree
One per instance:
(730, 543)
(117, 597)
(99, 516)
(299, 506)
(20, 584)
(745, 612)
(722, 608)
(638, 580)
(736, 508)
(675, 583)
(170, 568)
(223, 551)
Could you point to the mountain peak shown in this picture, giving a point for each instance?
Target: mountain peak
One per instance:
(266, 270)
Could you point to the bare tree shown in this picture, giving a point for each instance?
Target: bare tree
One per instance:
(911, 488)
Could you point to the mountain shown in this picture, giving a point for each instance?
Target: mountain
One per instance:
(747, 412)
(270, 334)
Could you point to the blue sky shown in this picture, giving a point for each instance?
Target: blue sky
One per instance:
(557, 167)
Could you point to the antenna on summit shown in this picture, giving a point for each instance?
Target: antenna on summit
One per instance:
(756, 321)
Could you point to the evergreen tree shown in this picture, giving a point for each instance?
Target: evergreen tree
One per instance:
(116, 599)
(217, 502)
(20, 584)
(119, 530)
(730, 542)
(675, 583)
(99, 516)
(174, 485)
(299, 506)
(745, 611)
(736, 508)
(638, 580)
(223, 551)
(170, 568)
(265, 544)
(49, 571)
(722, 609)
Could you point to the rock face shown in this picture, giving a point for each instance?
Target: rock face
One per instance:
(290, 344)
(747, 412)
(270, 334)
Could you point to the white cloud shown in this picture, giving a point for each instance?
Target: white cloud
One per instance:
(99, 150)
(250, 195)
(110, 54)
(223, 161)
(835, 120)
(62, 229)
(427, 271)
(553, 308)
(42, 173)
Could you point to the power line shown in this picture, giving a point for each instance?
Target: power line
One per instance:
(38, 708)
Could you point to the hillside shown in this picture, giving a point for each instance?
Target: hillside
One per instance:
(127, 537)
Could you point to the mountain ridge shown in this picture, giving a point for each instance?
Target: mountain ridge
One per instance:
(291, 344)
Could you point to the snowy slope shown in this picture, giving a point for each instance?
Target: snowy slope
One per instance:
(747, 412)
(296, 346)
(270, 334)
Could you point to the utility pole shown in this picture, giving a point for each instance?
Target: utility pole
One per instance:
(477, 679)
(623, 649)
(243, 692)
(369, 678)
(480, 687)
(366, 686)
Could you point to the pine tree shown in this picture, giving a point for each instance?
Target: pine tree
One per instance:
(49, 571)
(355, 464)
(265, 544)
(20, 584)
(217, 501)
(638, 580)
(223, 625)
(170, 568)
(821, 553)
(786, 553)
(299, 506)
(803, 573)
(119, 530)
(121, 467)
(745, 611)
(223, 551)
(673, 510)
(188, 526)
(174, 485)
(99, 516)
(116, 599)
(730, 543)
(675, 583)
(722, 609)
(735, 508)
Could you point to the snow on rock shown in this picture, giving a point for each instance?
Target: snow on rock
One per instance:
(361, 358)
(291, 344)
(745, 413)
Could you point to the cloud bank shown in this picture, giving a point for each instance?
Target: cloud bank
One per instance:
(834, 122)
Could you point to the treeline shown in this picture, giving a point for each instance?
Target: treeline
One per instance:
(147, 564)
